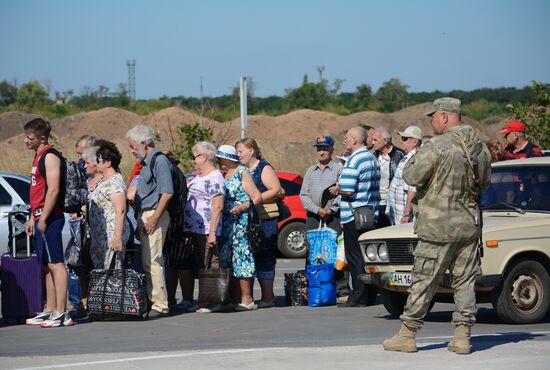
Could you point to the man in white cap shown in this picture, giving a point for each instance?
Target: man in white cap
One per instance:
(400, 194)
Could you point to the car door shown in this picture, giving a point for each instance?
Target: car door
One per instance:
(8, 198)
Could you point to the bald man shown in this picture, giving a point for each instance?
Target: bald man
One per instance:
(358, 185)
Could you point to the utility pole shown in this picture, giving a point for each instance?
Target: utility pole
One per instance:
(244, 111)
(131, 63)
(201, 91)
(320, 69)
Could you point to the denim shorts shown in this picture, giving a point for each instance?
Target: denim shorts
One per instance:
(49, 245)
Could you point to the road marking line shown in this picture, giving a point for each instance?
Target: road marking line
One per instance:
(488, 334)
(173, 355)
(232, 351)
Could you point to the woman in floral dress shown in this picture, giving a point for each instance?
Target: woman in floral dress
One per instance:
(109, 229)
(235, 251)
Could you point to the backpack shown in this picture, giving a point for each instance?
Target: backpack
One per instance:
(179, 198)
(73, 188)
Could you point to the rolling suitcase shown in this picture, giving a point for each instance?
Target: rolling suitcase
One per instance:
(21, 273)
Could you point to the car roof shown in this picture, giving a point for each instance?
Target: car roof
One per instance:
(523, 162)
(291, 176)
(13, 174)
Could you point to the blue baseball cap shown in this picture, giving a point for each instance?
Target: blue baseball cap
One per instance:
(326, 141)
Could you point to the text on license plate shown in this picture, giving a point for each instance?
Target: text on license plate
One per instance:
(400, 278)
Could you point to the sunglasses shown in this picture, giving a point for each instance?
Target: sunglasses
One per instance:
(405, 138)
(197, 156)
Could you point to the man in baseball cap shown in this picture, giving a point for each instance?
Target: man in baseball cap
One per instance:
(517, 146)
(320, 204)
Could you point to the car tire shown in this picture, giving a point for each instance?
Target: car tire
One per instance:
(524, 296)
(394, 302)
(292, 240)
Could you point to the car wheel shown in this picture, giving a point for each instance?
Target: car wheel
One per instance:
(524, 296)
(292, 240)
(394, 302)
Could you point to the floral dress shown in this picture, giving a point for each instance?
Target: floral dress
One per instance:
(102, 221)
(234, 249)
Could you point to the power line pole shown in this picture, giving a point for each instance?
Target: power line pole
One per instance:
(131, 63)
(201, 92)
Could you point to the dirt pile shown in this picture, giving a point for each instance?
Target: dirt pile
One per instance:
(286, 140)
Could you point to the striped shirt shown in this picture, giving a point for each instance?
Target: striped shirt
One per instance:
(397, 195)
(361, 177)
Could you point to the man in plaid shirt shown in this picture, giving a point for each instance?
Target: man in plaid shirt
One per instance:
(400, 194)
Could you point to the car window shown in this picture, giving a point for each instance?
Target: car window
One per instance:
(522, 187)
(21, 187)
(291, 188)
(5, 197)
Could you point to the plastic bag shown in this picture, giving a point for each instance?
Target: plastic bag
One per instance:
(321, 288)
(322, 245)
(296, 288)
(341, 262)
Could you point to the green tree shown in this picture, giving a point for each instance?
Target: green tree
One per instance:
(8, 93)
(310, 95)
(536, 114)
(392, 95)
(362, 96)
(32, 95)
(189, 135)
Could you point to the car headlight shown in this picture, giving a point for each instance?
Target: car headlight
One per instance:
(383, 252)
(371, 252)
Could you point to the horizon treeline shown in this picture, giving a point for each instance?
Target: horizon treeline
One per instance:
(478, 104)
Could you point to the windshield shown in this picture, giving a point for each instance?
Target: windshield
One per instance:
(521, 187)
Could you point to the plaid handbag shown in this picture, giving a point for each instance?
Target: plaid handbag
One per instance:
(117, 291)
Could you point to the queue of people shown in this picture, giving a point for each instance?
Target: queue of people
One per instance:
(374, 175)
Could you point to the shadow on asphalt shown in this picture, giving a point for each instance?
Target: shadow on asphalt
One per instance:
(486, 342)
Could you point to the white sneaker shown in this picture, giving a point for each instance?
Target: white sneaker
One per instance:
(38, 319)
(58, 319)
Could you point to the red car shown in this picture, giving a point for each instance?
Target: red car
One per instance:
(292, 230)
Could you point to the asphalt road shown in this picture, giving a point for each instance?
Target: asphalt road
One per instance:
(275, 338)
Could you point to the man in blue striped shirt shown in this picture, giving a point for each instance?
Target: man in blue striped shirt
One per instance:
(359, 186)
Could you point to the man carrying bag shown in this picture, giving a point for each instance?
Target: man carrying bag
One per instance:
(358, 185)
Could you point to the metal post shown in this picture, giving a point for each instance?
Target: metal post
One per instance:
(244, 111)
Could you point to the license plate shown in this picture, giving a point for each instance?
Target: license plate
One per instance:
(400, 278)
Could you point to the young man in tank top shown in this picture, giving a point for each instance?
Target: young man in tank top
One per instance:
(46, 223)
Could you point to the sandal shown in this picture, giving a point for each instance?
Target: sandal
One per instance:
(216, 308)
(246, 307)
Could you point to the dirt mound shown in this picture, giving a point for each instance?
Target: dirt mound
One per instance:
(11, 123)
(286, 140)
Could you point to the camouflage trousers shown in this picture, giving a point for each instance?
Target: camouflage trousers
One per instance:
(431, 261)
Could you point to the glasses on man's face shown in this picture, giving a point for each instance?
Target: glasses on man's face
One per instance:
(197, 156)
(404, 138)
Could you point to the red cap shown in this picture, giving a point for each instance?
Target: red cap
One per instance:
(513, 126)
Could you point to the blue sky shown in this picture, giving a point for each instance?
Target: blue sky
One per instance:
(427, 44)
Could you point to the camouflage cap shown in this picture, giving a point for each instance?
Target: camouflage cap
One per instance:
(446, 104)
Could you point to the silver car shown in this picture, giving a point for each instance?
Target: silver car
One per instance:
(14, 189)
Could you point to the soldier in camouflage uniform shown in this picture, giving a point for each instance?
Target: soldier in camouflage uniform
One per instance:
(448, 172)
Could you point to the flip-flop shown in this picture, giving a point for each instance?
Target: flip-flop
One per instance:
(246, 307)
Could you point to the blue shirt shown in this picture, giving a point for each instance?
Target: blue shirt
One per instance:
(149, 190)
(361, 177)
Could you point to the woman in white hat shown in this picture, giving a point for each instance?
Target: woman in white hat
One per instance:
(235, 251)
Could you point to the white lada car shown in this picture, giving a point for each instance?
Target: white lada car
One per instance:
(515, 267)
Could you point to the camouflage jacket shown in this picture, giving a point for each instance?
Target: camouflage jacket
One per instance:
(445, 205)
